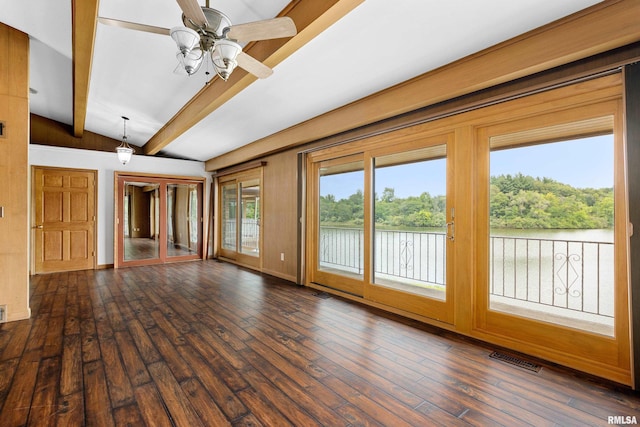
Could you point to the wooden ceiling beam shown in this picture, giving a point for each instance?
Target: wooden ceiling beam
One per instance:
(84, 22)
(311, 18)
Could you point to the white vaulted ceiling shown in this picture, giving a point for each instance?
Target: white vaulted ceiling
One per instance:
(376, 45)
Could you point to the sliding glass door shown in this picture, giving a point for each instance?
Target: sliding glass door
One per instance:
(240, 228)
(159, 220)
(339, 223)
(382, 227)
(506, 223)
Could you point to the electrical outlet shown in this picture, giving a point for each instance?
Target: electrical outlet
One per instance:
(281, 256)
(3, 313)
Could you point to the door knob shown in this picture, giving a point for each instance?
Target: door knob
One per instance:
(40, 226)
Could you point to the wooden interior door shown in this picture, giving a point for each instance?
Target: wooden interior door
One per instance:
(64, 219)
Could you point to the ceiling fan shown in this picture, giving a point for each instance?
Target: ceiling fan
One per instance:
(208, 33)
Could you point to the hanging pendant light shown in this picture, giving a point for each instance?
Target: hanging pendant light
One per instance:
(124, 150)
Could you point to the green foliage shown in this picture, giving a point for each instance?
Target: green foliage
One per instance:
(518, 201)
(525, 202)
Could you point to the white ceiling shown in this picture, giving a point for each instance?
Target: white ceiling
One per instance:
(377, 45)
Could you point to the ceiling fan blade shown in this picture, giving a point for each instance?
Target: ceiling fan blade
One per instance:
(193, 12)
(264, 30)
(134, 26)
(252, 65)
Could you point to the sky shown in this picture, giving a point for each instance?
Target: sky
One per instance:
(581, 163)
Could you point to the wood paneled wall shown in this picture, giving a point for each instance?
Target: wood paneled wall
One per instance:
(280, 222)
(14, 172)
(49, 132)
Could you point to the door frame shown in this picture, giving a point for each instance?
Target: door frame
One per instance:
(34, 227)
(237, 178)
(163, 181)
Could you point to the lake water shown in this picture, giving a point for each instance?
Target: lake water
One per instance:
(597, 235)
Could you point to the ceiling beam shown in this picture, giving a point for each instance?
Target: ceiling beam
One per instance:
(84, 22)
(600, 28)
(311, 18)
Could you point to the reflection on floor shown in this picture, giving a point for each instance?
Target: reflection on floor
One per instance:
(145, 248)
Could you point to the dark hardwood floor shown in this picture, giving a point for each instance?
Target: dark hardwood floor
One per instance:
(207, 343)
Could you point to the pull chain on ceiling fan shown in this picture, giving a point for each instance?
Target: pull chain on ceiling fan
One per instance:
(208, 34)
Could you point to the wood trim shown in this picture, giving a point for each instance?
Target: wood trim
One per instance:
(608, 25)
(84, 21)
(311, 18)
(241, 168)
(159, 177)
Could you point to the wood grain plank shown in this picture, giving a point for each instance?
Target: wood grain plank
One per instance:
(178, 366)
(120, 390)
(128, 416)
(70, 377)
(152, 409)
(315, 400)
(174, 398)
(71, 410)
(208, 411)
(44, 405)
(97, 405)
(136, 369)
(7, 371)
(232, 407)
(16, 340)
(17, 404)
(147, 350)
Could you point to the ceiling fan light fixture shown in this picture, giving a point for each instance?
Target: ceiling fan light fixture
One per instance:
(186, 39)
(124, 150)
(191, 61)
(224, 57)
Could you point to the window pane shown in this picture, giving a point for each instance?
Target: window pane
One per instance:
(229, 208)
(141, 222)
(410, 222)
(250, 217)
(182, 209)
(551, 239)
(341, 209)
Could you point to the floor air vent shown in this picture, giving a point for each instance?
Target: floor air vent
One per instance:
(516, 361)
(322, 295)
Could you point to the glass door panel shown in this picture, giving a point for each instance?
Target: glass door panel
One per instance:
(341, 219)
(141, 232)
(410, 211)
(229, 232)
(240, 222)
(183, 232)
(250, 217)
(551, 252)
